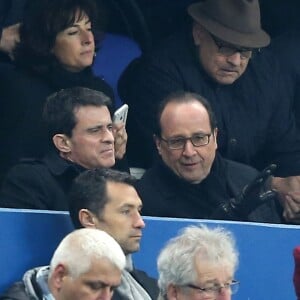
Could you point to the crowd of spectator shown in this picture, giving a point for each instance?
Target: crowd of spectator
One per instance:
(213, 120)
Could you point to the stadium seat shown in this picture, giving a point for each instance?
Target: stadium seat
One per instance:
(116, 52)
(28, 239)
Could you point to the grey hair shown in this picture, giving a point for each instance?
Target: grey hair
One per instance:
(176, 261)
(79, 248)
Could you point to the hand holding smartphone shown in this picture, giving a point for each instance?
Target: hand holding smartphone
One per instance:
(120, 115)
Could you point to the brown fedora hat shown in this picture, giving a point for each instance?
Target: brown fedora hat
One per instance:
(234, 21)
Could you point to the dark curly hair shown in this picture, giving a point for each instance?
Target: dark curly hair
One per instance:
(43, 20)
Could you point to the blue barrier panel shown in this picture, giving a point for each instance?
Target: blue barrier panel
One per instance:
(266, 261)
(28, 239)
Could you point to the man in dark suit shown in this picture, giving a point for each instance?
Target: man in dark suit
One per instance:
(82, 136)
(107, 200)
(192, 180)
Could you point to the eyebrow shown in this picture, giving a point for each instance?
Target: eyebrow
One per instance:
(100, 284)
(95, 127)
(127, 205)
(215, 281)
(77, 25)
(99, 127)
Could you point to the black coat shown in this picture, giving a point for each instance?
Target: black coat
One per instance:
(164, 194)
(23, 94)
(39, 184)
(253, 114)
(286, 49)
(42, 183)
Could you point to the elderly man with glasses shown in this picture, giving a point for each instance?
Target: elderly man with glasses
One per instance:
(191, 180)
(206, 273)
(218, 56)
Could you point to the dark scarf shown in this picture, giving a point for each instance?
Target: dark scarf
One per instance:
(197, 200)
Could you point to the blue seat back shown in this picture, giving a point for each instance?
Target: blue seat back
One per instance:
(116, 53)
(28, 239)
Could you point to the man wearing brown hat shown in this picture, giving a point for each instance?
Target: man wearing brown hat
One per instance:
(218, 56)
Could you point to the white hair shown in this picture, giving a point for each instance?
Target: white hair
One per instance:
(79, 248)
(176, 261)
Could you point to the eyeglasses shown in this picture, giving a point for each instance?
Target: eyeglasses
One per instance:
(197, 140)
(228, 50)
(213, 291)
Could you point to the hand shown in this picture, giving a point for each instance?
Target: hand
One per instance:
(120, 136)
(289, 195)
(9, 38)
(255, 193)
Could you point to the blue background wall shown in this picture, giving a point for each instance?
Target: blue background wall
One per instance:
(28, 239)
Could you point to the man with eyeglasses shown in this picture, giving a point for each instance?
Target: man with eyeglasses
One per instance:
(191, 180)
(207, 272)
(218, 56)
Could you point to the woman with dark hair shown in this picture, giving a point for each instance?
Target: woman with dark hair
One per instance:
(56, 51)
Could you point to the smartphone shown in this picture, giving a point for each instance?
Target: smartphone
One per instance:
(120, 115)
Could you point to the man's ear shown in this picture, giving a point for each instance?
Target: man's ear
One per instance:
(198, 33)
(157, 142)
(172, 292)
(62, 143)
(87, 218)
(57, 277)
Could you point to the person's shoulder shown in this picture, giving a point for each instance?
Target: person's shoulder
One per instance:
(148, 283)
(264, 61)
(286, 43)
(16, 292)
(239, 174)
(28, 165)
(149, 178)
(150, 173)
(28, 171)
(157, 184)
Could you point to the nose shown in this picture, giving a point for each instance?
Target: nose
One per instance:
(139, 222)
(105, 294)
(234, 59)
(189, 149)
(224, 294)
(87, 37)
(107, 136)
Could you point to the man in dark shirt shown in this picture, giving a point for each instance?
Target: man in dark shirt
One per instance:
(192, 180)
(81, 131)
(218, 58)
